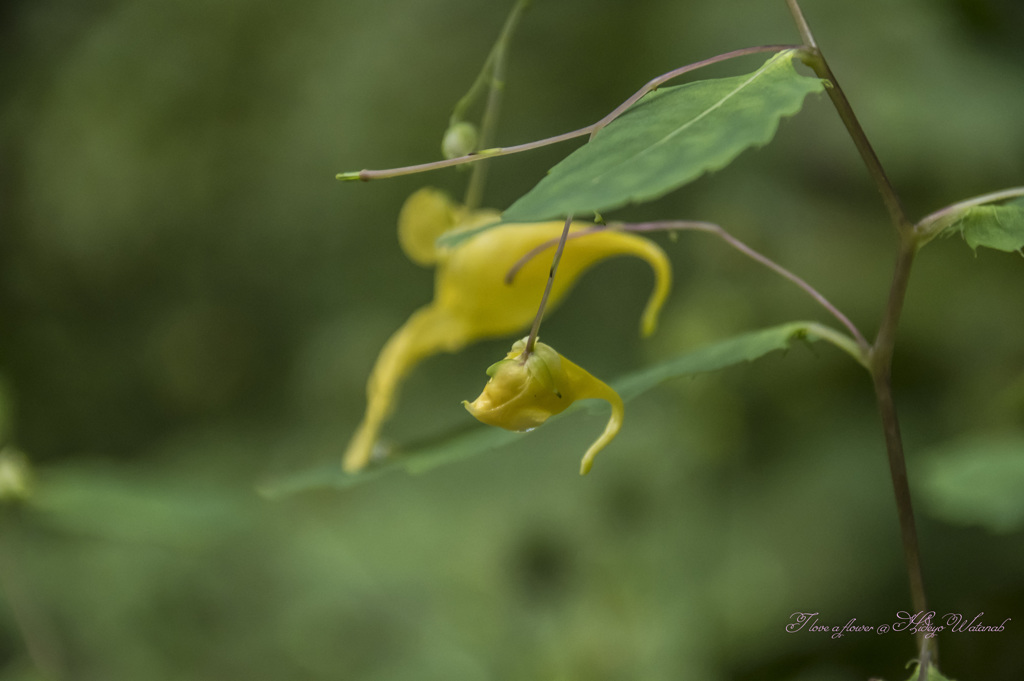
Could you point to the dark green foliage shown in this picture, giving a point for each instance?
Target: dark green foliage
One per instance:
(978, 481)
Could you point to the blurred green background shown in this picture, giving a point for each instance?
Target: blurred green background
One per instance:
(190, 304)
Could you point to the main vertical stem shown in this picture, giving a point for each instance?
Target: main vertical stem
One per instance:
(882, 350)
(881, 374)
(816, 60)
(901, 488)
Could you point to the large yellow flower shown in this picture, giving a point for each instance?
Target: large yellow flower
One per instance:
(524, 391)
(473, 301)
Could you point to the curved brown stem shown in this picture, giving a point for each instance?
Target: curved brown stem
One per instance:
(483, 154)
(532, 339)
(881, 354)
(862, 345)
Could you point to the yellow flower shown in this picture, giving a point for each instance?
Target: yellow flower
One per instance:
(523, 392)
(472, 300)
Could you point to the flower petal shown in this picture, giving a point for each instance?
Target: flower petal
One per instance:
(472, 300)
(523, 393)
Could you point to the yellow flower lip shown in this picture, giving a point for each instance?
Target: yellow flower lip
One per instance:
(522, 392)
(525, 391)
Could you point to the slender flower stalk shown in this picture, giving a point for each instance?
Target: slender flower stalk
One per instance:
(493, 75)
(535, 329)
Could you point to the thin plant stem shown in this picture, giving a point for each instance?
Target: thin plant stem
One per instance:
(881, 374)
(859, 351)
(814, 58)
(838, 339)
(485, 77)
(495, 152)
(482, 155)
(789, 276)
(535, 329)
(801, 25)
(658, 81)
(496, 63)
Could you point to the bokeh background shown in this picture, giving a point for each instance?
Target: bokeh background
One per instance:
(190, 304)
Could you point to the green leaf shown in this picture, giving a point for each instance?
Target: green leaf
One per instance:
(122, 506)
(454, 237)
(415, 460)
(743, 348)
(998, 227)
(669, 138)
(977, 481)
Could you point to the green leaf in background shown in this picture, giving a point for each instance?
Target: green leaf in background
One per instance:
(15, 475)
(977, 481)
(933, 674)
(123, 506)
(671, 137)
(744, 348)
(415, 460)
(998, 227)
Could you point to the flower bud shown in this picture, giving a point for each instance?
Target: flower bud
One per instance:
(524, 391)
(459, 139)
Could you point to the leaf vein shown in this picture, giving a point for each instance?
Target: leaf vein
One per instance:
(703, 114)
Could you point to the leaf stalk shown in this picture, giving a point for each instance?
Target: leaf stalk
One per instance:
(857, 346)
(591, 130)
(932, 224)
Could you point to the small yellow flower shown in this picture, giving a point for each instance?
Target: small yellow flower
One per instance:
(472, 300)
(523, 392)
